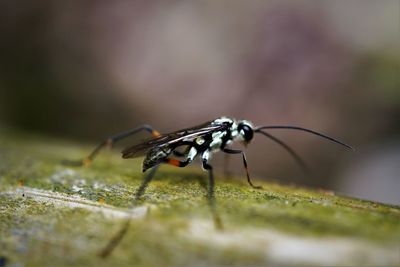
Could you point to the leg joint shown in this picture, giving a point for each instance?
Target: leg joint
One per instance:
(206, 166)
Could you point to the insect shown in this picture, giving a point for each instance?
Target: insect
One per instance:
(199, 141)
(203, 140)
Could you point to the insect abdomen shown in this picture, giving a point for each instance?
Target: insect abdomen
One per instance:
(155, 156)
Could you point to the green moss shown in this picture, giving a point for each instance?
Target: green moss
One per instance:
(30, 229)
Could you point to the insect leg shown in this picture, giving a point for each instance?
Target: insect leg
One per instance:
(116, 239)
(176, 163)
(192, 153)
(234, 151)
(210, 194)
(115, 138)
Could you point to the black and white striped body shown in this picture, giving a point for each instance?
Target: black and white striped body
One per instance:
(200, 141)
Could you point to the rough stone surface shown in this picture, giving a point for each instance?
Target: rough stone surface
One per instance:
(52, 214)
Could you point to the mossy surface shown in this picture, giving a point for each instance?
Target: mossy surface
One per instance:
(35, 233)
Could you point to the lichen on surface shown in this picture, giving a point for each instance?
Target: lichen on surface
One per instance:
(41, 223)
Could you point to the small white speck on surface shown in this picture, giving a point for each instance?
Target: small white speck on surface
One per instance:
(61, 175)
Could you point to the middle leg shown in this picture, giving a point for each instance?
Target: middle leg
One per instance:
(210, 195)
(191, 154)
(116, 239)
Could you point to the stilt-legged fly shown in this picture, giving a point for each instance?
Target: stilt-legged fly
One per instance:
(202, 140)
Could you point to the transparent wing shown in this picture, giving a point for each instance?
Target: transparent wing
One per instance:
(173, 139)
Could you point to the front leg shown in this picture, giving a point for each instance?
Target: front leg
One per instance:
(234, 151)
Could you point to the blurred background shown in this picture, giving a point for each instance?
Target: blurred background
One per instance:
(83, 70)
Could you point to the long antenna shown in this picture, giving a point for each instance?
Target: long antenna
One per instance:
(258, 129)
(295, 156)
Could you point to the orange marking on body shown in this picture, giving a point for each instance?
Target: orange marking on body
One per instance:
(174, 162)
(155, 133)
(21, 183)
(86, 162)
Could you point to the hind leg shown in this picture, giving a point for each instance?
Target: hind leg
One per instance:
(110, 141)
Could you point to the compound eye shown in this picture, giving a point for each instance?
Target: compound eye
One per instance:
(247, 132)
